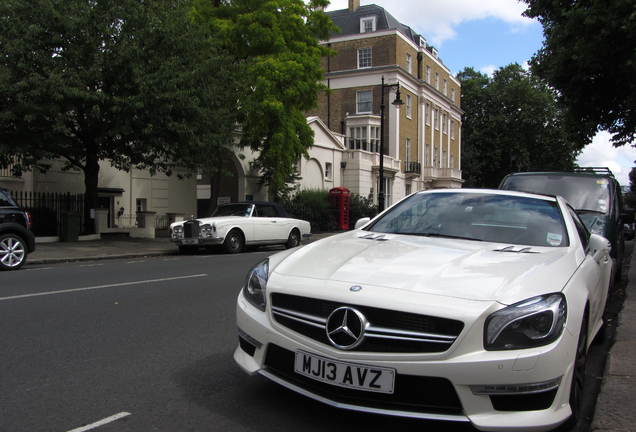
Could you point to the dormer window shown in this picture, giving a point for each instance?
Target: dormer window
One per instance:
(367, 24)
(422, 42)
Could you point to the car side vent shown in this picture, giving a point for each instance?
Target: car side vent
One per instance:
(512, 249)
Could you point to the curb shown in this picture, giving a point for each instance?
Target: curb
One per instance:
(98, 257)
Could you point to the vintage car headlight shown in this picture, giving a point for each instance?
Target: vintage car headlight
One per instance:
(256, 284)
(177, 229)
(527, 324)
(206, 230)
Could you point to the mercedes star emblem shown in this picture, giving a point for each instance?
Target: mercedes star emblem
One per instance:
(345, 327)
(355, 288)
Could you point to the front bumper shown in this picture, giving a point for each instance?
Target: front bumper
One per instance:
(465, 372)
(207, 241)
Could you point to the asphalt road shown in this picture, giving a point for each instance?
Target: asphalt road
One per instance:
(147, 345)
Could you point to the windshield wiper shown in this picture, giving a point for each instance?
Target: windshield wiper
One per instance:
(584, 211)
(430, 234)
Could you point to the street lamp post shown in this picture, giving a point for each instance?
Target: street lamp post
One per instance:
(397, 102)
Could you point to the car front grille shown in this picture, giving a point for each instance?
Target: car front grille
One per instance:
(388, 330)
(412, 393)
(191, 229)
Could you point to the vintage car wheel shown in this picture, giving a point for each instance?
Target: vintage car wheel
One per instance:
(13, 252)
(234, 242)
(578, 377)
(293, 240)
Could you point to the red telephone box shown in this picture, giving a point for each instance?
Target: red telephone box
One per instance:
(340, 199)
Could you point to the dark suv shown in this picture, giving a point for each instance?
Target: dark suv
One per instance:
(592, 192)
(16, 238)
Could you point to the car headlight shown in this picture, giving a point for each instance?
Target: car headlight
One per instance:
(256, 284)
(206, 230)
(527, 324)
(177, 229)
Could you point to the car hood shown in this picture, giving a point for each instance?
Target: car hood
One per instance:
(216, 220)
(464, 269)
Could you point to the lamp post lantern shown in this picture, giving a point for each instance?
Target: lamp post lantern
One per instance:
(397, 102)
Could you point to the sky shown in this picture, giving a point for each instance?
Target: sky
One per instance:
(486, 35)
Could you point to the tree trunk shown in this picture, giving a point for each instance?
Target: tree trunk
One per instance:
(91, 178)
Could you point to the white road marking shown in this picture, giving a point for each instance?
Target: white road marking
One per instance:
(40, 268)
(91, 265)
(101, 422)
(121, 284)
(134, 262)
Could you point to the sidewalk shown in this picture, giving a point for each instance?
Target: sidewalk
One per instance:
(49, 253)
(616, 405)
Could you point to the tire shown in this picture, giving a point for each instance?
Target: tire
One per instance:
(234, 242)
(293, 240)
(578, 377)
(13, 252)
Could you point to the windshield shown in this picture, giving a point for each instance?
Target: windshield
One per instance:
(233, 210)
(582, 192)
(477, 216)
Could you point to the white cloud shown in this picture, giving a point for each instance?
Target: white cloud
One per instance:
(601, 153)
(436, 19)
(488, 69)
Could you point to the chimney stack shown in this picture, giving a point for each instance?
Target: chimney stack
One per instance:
(354, 5)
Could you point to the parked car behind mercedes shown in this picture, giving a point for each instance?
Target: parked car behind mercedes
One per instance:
(595, 195)
(237, 225)
(463, 305)
(16, 238)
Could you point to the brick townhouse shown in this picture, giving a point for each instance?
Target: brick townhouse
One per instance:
(422, 137)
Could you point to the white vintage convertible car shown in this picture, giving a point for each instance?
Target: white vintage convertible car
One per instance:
(240, 224)
(462, 305)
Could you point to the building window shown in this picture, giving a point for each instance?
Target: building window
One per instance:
(422, 42)
(364, 101)
(364, 58)
(409, 63)
(427, 113)
(444, 123)
(374, 139)
(427, 156)
(407, 189)
(437, 81)
(388, 196)
(436, 118)
(452, 129)
(407, 150)
(452, 94)
(367, 24)
(409, 106)
(428, 74)
(445, 87)
(358, 138)
(328, 170)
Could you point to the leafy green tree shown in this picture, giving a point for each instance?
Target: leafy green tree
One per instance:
(276, 42)
(589, 57)
(512, 122)
(128, 81)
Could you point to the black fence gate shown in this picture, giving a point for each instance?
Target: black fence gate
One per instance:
(47, 209)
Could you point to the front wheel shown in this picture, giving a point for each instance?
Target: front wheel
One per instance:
(578, 377)
(293, 240)
(234, 242)
(13, 252)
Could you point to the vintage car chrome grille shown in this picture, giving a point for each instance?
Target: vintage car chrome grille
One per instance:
(191, 229)
(412, 393)
(388, 330)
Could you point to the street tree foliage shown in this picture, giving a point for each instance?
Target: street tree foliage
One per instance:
(128, 81)
(512, 122)
(589, 57)
(276, 44)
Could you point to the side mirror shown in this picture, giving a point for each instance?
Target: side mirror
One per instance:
(627, 217)
(362, 222)
(599, 247)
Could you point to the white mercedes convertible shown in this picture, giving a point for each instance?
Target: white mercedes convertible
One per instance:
(462, 305)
